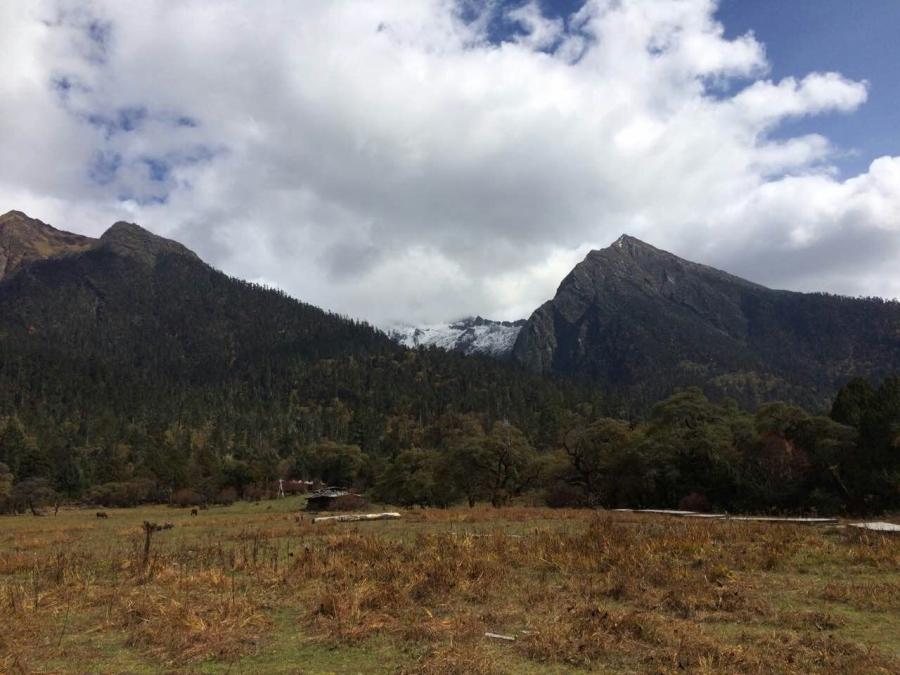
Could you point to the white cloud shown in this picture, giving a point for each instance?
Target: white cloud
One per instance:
(766, 102)
(384, 159)
(540, 32)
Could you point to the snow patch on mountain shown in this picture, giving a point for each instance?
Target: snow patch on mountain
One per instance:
(469, 336)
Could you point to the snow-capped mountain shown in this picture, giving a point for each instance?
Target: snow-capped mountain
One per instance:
(469, 336)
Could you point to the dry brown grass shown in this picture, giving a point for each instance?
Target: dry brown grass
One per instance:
(882, 596)
(578, 590)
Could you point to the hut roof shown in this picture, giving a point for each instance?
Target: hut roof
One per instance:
(328, 493)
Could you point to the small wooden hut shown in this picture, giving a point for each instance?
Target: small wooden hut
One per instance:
(334, 499)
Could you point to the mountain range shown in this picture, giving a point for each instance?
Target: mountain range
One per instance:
(133, 336)
(632, 319)
(643, 322)
(472, 335)
(118, 295)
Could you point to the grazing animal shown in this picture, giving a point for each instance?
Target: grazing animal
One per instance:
(102, 514)
(193, 512)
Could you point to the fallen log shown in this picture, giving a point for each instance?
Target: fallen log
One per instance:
(878, 526)
(725, 516)
(795, 521)
(357, 517)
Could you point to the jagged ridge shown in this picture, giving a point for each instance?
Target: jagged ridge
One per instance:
(25, 240)
(473, 335)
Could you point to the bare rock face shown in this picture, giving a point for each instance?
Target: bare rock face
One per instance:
(644, 322)
(24, 240)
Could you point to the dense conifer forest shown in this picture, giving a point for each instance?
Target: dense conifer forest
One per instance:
(133, 372)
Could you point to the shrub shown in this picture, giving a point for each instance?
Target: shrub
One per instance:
(226, 496)
(825, 503)
(123, 494)
(409, 479)
(695, 501)
(187, 497)
(561, 495)
(255, 492)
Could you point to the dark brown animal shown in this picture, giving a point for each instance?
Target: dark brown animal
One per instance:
(193, 512)
(102, 514)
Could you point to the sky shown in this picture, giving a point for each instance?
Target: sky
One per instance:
(419, 162)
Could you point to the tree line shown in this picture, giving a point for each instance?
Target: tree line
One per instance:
(687, 452)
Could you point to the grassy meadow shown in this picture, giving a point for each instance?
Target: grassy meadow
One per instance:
(253, 588)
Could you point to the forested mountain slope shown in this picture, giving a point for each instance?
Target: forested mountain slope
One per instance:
(137, 298)
(644, 322)
(133, 342)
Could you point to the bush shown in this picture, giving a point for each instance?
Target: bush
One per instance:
(256, 492)
(409, 480)
(825, 503)
(187, 497)
(561, 495)
(333, 463)
(226, 496)
(123, 494)
(694, 501)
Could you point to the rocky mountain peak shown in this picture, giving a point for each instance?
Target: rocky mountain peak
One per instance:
(17, 224)
(133, 240)
(631, 244)
(11, 216)
(637, 318)
(24, 240)
(633, 251)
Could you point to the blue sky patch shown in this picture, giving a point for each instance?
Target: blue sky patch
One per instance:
(158, 168)
(858, 40)
(99, 35)
(125, 120)
(105, 167)
(129, 119)
(501, 29)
